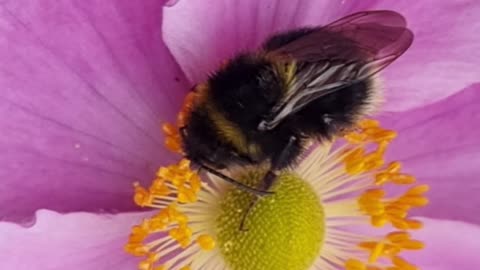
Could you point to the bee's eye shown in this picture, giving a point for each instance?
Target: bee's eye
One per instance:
(215, 160)
(212, 158)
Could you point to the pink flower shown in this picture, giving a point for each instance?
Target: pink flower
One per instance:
(85, 86)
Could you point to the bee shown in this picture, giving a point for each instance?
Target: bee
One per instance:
(312, 83)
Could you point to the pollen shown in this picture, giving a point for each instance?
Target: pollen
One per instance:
(206, 242)
(174, 186)
(176, 180)
(173, 138)
(365, 156)
(390, 247)
(142, 196)
(182, 234)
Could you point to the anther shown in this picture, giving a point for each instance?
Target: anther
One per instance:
(206, 242)
(368, 123)
(169, 129)
(403, 264)
(142, 197)
(353, 264)
(376, 252)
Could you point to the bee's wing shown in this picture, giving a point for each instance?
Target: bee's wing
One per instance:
(338, 55)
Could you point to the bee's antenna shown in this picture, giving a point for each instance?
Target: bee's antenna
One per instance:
(236, 183)
(247, 212)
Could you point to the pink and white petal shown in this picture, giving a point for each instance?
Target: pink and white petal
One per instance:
(440, 145)
(216, 43)
(71, 241)
(89, 241)
(445, 54)
(442, 60)
(202, 35)
(449, 245)
(85, 86)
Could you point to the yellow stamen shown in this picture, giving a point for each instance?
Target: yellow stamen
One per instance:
(414, 224)
(136, 249)
(418, 190)
(169, 129)
(378, 221)
(390, 247)
(206, 242)
(176, 179)
(376, 252)
(396, 237)
(186, 195)
(173, 139)
(355, 138)
(353, 264)
(395, 211)
(414, 201)
(403, 264)
(411, 244)
(182, 234)
(142, 196)
(159, 188)
(147, 264)
(376, 204)
(173, 143)
(368, 123)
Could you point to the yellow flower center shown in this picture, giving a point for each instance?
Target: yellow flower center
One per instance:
(309, 222)
(283, 231)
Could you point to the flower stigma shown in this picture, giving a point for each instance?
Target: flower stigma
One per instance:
(343, 207)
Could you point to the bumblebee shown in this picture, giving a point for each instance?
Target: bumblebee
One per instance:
(313, 83)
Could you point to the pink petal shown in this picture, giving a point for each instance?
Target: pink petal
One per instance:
(443, 59)
(440, 145)
(71, 241)
(449, 245)
(88, 241)
(85, 86)
(201, 35)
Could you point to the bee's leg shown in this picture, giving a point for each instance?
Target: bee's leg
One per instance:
(257, 192)
(269, 178)
(277, 164)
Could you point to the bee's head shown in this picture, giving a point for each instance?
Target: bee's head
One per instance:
(202, 147)
(245, 89)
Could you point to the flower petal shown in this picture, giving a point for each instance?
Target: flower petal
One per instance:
(201, 36)
(85, 87)
(449, 245)
(71, 241)
(89, 241)
(445, 54)
(440, 145)
(442, 60)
